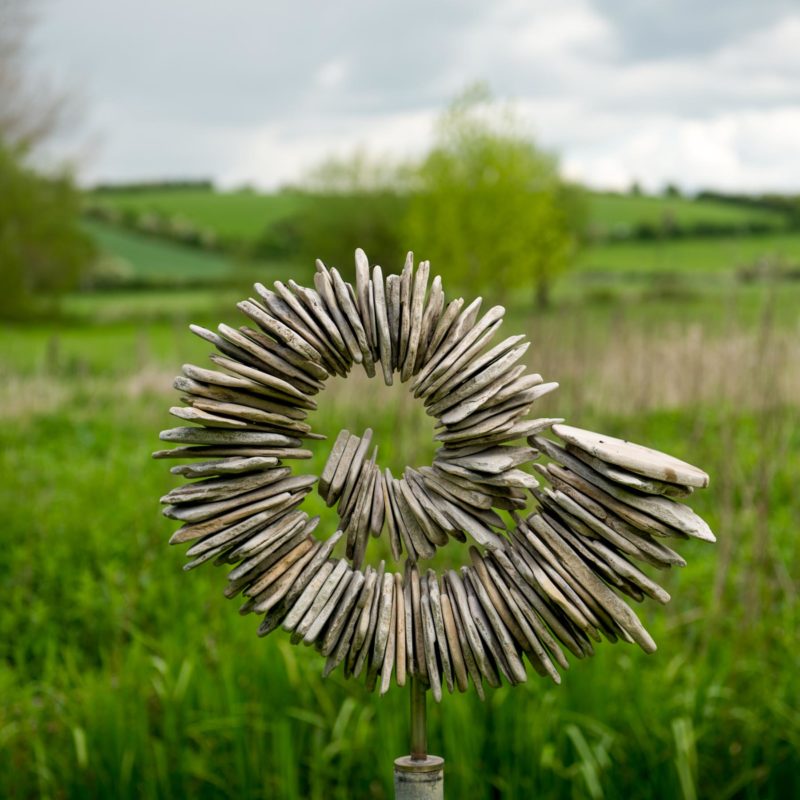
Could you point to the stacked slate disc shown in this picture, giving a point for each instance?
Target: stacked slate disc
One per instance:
(553, 579)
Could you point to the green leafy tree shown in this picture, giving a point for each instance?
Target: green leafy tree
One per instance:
(489, 207)
(42, 249)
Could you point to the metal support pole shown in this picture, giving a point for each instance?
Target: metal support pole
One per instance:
(419, 776)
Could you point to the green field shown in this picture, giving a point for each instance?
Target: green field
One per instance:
(621, 212)
(699, 257)
(245, 215)
(121, 676)
(235, 214)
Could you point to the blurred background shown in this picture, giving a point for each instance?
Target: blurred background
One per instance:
(623, 176)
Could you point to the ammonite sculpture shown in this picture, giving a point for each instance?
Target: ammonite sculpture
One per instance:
(536, 583)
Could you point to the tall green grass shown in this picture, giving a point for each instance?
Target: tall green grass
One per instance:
(122, 676)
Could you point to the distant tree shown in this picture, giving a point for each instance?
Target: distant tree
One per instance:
(42, 249)
(357, 200)
(635, 189)
(489, 207)
(672, 190)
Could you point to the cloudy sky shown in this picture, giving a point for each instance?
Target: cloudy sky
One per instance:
(697, 92)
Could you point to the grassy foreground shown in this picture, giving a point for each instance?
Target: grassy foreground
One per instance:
(121, 676)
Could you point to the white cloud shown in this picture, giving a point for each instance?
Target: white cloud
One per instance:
(259, 94)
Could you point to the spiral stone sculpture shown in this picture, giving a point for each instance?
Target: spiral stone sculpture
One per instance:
(538, 582)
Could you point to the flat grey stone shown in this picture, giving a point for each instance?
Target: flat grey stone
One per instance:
(456, 488)
(266, 580)
(255, 418)
(361, 517)
(407, 522)
(356, 464)
(618, 609)
(330, 355)
(362, 291)
(481, 571)
(220, 488)
(420, 664)
(204, 418)
(316, 307)
(463, 353)
(392, 640)
(429, 639)
(460, 399)
(317, 615)
(417, 486)
(533, 647)
(630, 480)
(278, 529)
(459, 594)
(277, 591)
(405, 310)
(461, 679)
(276, 358)
(195, 530)
(276, 328)
(208, 391)
(382, 325)
(434, 596)
(365, 608)
(366, 648)
(392, 295)
(462, 325)
(539, 615)
(491, 645)
(204, 436)
(430, 317)
(378, 510)
(507, 654)
(442, 329)
(333, 461)
(224, 466)
(400, 631)
(343, 612)
(342, 470)
(629, 532)
(664, 509)
(433, 533)
(383, 625)
(390, 518)
(475, 373)
(278, 308)
(353, 316)
(341, 648)
(463, 643)
(324, 285)
(338, 611)
(303, 603)
(416, 307)
(633, 457)
(198, 512)
(409, 622)
(495, 460)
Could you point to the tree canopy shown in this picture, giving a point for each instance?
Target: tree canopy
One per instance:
(489, 206)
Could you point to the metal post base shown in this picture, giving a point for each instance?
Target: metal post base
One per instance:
(419, 779)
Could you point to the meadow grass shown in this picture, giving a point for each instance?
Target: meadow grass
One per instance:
(122, 676)
(609, 212)
(691, 256)
(240, 214)
(246, 214)
(158, 259)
